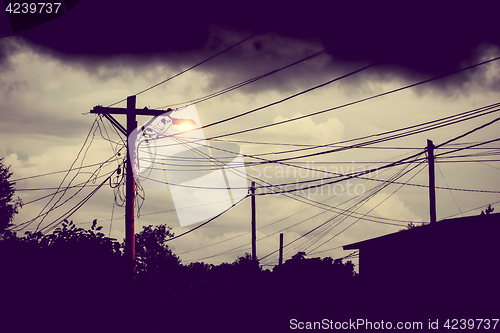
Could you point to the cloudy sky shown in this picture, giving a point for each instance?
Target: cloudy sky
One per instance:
(52, 75)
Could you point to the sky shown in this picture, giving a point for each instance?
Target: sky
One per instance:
(53, 74)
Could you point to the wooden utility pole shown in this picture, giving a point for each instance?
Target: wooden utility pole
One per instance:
(281, 249)
(130, 187)
(432, 184)
(254, 249)
(131, 113)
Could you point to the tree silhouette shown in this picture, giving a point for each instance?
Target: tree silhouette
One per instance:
(488, 210)
(161, 282)
(8, 204)
(299, 256)
(60, 276)
(72, 255)
(152, 254)
(410, 226)
(76, 272)
(301, 282)
(246, 264)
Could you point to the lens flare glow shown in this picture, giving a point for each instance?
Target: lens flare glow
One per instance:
(183, 124)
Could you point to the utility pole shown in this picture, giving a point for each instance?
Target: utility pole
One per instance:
(432, 184)
(281, 249)
(130, 188)
(131, 113)
(254, 249)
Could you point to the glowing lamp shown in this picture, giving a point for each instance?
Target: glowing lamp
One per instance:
(183, 124)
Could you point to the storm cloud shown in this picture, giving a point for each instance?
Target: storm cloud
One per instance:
(406, 41)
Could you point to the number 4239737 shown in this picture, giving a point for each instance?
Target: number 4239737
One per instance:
(455, 324)
(33, 8)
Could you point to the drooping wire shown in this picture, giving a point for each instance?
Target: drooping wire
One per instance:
(23, 225)
(92, 178)
(410, 130)
(241, 84)
(273, 223)
(91, 132)
(188, 69)
(475, 208)
(454, 199)
(292, 195)
(51, 226)
(359, 204)
(373, 208)
(206, 222)
(337, 107)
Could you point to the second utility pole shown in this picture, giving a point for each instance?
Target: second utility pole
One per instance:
(432, 184)
(254, 250)
(281, 250)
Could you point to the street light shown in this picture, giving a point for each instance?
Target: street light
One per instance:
(183, 124)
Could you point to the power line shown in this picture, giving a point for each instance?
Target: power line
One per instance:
(469, 132)
(448, 142)
(337, 175)
(53, 225)
(479, 207)
(205, 223)
(230, 251)
(371, 170)
(375, 205)
(188, 69)
(474, 145)
(71, 169)
(76, 159)
(333, 248)
(410, 130)
(381, 180)
(337, 107)
(244, 83)
(44, 214)
(426, 126)
(377, 190)
(472, 161)
(284, 99)
(306, 200)
(279, 220)
(59, 189)
(456, 203)
(329, 145)
(56, 172)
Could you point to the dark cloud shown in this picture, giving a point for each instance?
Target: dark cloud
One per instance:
(409, 40)
(40, 124)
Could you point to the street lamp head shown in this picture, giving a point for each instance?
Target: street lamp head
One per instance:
(183, 124)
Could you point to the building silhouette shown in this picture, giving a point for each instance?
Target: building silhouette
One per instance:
(447, 268)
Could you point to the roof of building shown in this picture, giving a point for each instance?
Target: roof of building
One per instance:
(478, 226)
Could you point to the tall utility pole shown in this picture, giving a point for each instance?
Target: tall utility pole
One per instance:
(131, 113)
(130, 187)
(432, 184)
(254, 249)
(281, 249)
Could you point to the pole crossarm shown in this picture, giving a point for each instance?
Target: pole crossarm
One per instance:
(139, 112)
